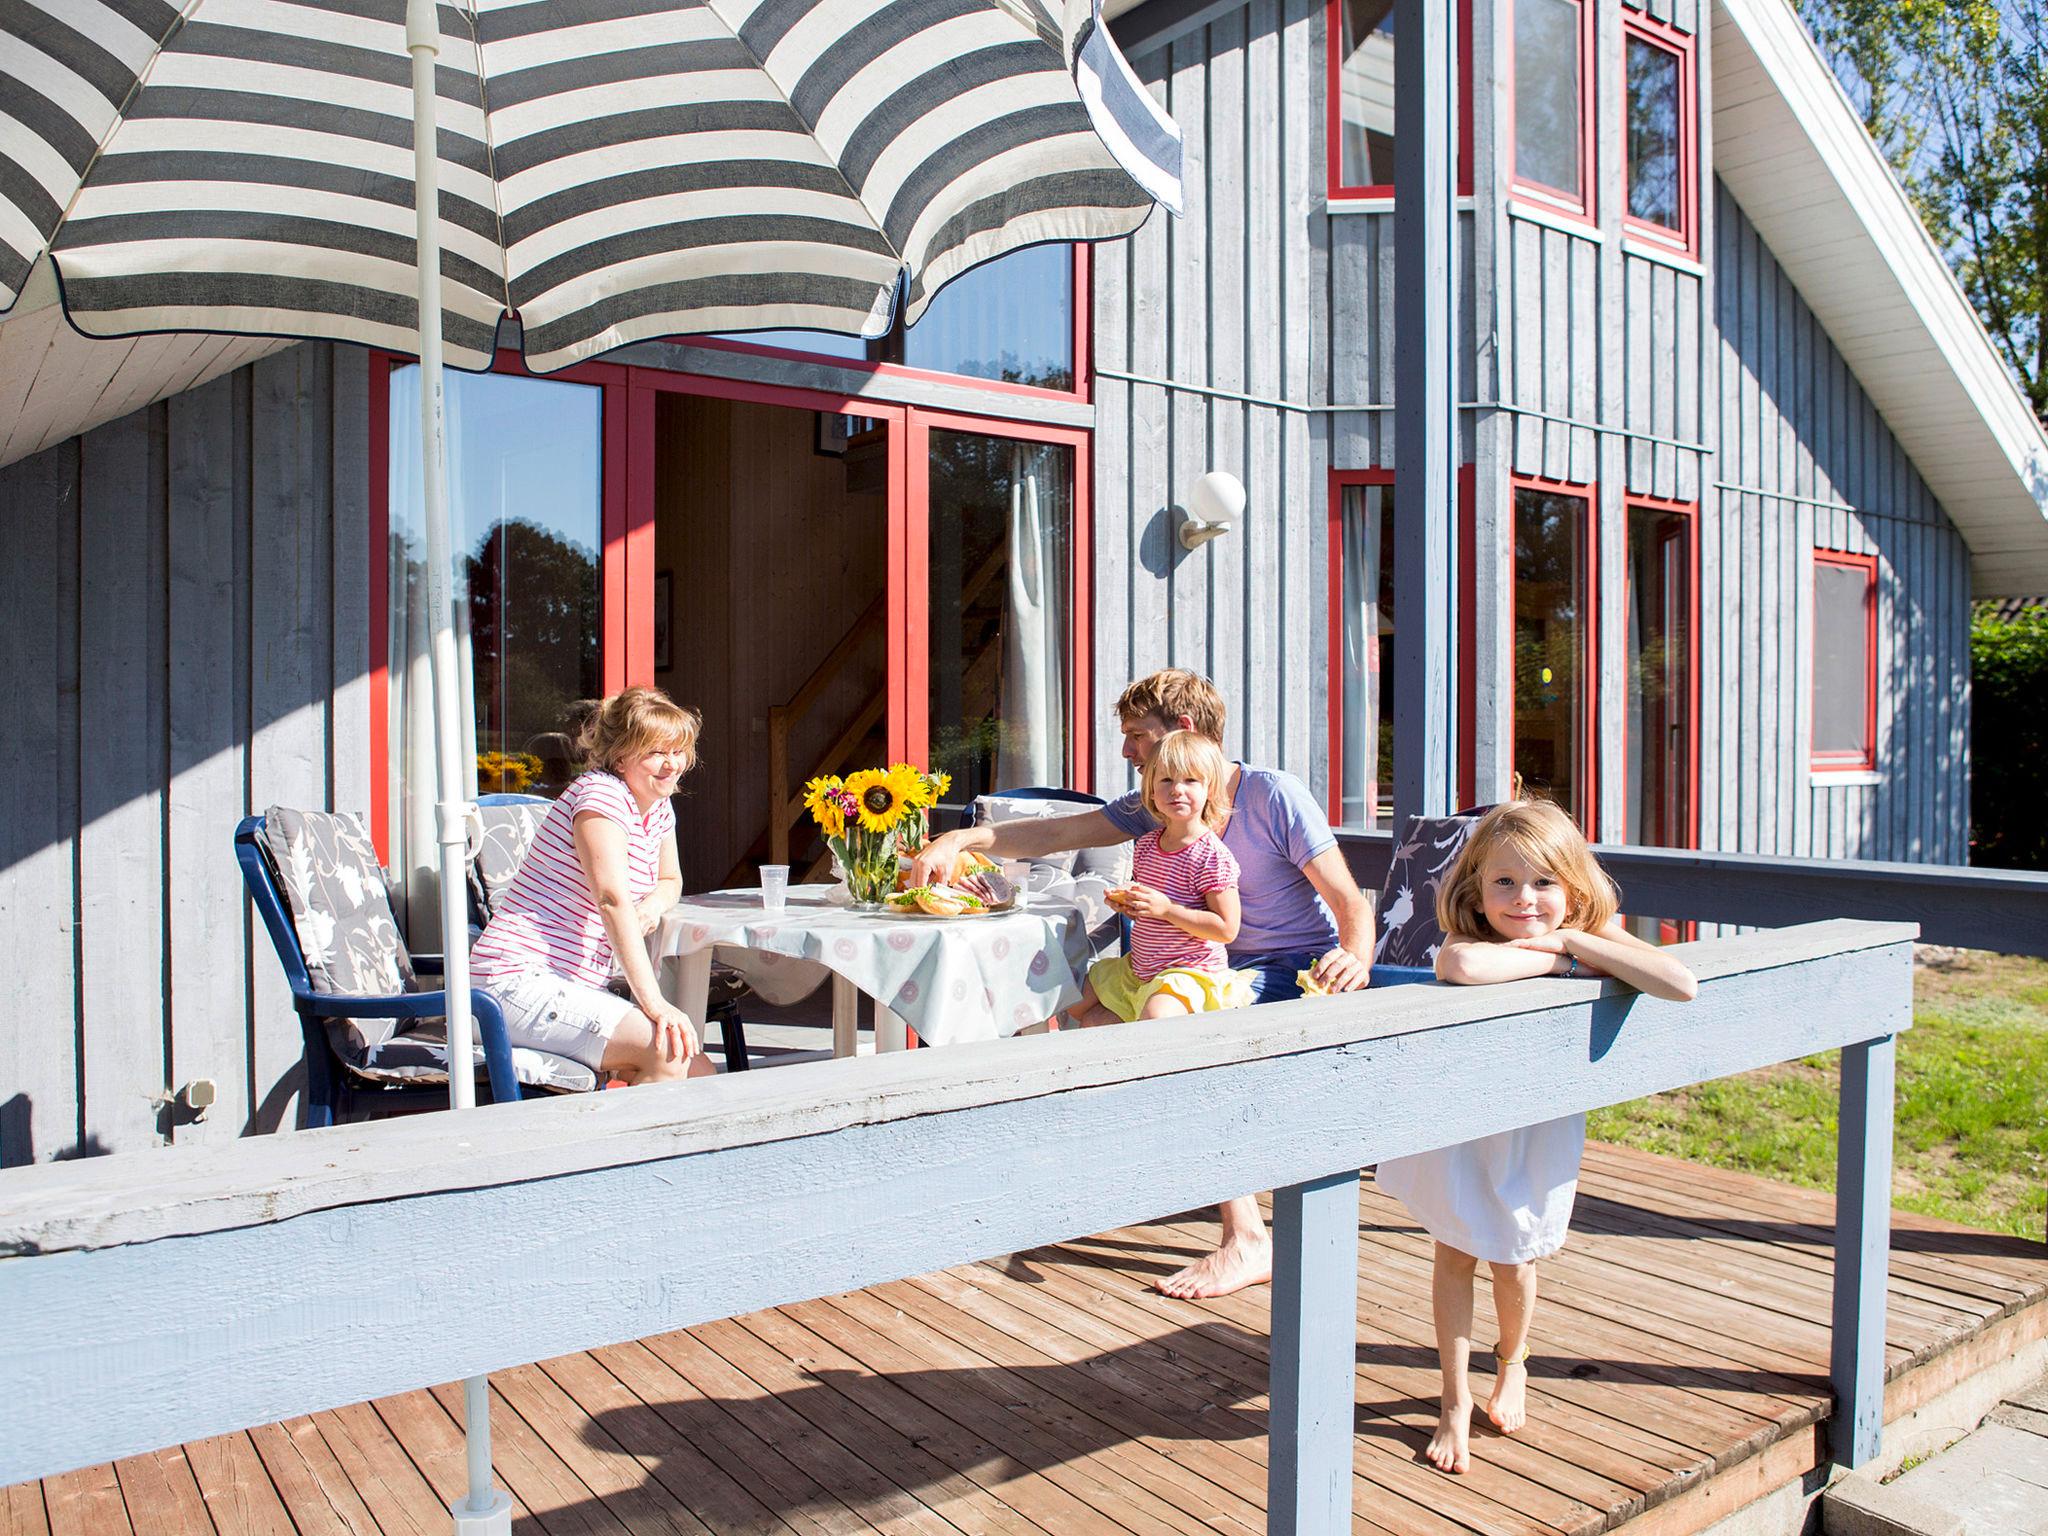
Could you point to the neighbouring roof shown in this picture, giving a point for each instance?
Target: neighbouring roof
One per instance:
(1793, 151)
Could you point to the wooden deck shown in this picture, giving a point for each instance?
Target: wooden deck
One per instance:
(1679, 1372)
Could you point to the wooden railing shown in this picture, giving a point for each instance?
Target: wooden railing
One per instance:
(154, 1298)
(785, 805)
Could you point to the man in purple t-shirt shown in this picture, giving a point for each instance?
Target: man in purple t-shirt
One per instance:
(1302, 909)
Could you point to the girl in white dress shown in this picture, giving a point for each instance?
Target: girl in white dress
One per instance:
(1525, 898)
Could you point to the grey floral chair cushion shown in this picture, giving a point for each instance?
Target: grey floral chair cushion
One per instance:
(1423, 855)
(1111, 865)
(498, 840)
(418, 1054)
(328, 873)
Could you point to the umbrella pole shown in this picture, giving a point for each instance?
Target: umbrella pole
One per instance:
(485, 1511)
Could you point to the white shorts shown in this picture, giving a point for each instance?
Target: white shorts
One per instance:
(564, 1018)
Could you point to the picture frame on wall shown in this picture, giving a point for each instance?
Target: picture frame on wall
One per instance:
(664, 618)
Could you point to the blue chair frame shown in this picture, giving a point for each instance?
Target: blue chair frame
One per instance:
(331, 1094)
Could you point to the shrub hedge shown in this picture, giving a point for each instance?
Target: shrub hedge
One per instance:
(2009, 738)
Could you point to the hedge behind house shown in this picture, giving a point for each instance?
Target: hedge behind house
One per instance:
(2009, 737)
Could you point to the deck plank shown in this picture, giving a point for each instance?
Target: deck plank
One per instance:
(1680, 1370)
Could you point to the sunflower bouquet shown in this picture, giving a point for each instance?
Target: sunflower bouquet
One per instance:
(871, 817)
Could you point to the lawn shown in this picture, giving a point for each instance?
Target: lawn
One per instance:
(1971, 1138)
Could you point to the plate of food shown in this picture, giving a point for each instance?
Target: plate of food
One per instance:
(976, 888)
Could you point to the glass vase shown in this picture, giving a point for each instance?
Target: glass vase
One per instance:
(869, 859)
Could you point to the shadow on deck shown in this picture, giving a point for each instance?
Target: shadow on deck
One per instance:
(1679, 1371)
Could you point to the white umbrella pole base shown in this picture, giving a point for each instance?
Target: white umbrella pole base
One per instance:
(493, 1521)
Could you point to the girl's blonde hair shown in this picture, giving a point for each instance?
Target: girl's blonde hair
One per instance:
(1547, 838)
(637, 720)
(1191, 755)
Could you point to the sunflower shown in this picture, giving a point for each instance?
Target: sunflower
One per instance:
(821, 803)
(882, 796)
(911, 785)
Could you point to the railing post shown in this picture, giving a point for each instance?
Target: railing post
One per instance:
(1315, 1356)
(1863, 1200)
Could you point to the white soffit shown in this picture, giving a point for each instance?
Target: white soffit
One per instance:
(55, 383)
(1794, 154)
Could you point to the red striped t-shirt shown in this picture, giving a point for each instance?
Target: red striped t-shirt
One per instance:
(1186, 877)
(547, 919)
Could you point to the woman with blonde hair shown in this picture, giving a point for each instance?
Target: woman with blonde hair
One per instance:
(601, 871)
(1524, 898)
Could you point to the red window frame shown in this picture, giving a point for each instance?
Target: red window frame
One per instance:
(1337, 188)
(1685, 239)
(1084, 352)
(1586, 206)
(1690, 511)
(1334, 617)
(1588, 494)
(1847, 762)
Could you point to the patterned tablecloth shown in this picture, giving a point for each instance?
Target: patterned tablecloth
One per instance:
(950, 979)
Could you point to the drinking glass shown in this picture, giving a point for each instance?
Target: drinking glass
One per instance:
(774, 886)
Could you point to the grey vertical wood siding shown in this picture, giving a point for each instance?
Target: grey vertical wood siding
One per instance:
(186, 641)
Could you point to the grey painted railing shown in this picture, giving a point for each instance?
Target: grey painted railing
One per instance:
(1997, 909)
(158, 1297)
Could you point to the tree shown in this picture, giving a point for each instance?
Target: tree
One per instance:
(2008, 677)
(1955, 93)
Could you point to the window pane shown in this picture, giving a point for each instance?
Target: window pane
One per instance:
(1368, 749)
(1658, 704)
(1001, 525)
(1653, 107)
(1841, 659)
(1010, 319)
(1547, 93)
(1365, 83)
(1550, 646)
(817, 343)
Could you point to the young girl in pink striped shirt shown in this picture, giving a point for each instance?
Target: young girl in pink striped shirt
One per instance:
(1182, 900)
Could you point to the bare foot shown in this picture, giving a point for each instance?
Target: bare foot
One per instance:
(1230, 1268)
(1447, 1447)
(1508, 1407)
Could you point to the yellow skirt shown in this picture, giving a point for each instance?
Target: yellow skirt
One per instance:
(1118, 988)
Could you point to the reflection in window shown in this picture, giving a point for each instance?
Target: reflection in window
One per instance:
(1368, 745)
(1365, 85)
(1010, 319)
(817, 343)
(1550, 646)
(1001, 570)
(525, 503)
(1547, 94)
(1658, 705)
(1844, 598)
(1654, 103)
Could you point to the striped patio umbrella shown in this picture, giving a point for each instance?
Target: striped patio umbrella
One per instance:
(607, 170)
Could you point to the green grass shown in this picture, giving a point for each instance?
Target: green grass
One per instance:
(1971, 1125)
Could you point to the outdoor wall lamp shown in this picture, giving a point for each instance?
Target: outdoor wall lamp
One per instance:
(1216, 502)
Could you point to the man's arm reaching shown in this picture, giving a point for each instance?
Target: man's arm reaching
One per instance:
(1027, 837)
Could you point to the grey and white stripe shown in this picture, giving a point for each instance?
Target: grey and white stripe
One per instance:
(612, 170)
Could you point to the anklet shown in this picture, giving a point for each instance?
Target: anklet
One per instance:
(1519, 1357)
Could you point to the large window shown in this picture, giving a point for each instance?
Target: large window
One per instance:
(1362, 95)
(1658, 707)
(526, 511)
(1363, 741)
(1553, 623)
(1010, 320)
(1844, 661)
(1001, 594)
(1553, 144)
(1658, 132)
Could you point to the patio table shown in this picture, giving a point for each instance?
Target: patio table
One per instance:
(950, 979)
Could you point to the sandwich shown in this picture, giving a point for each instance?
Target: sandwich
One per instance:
(937, 900)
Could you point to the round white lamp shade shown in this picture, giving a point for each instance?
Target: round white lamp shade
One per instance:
(1216, 502)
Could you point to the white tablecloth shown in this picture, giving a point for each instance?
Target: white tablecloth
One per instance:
(950, 979)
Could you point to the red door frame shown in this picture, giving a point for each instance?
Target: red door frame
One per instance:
(1589, 635)
(1820, 762)
(910, 589)
(1690, 511)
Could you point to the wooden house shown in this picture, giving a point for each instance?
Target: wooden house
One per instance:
(1734, 458)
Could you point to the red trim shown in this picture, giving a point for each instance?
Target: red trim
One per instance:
(1084, 320)
(380, 592)
(1468, 626)
(1337, 189)
(1866, 760)
(1586, 205)
(1690, 511)
(1686, 238)
(1339, 479)
(909, 601)
(1589, 641)
(629, 461)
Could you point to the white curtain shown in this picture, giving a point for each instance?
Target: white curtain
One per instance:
(1364, 507)
(415, 876)
(1033, 739)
